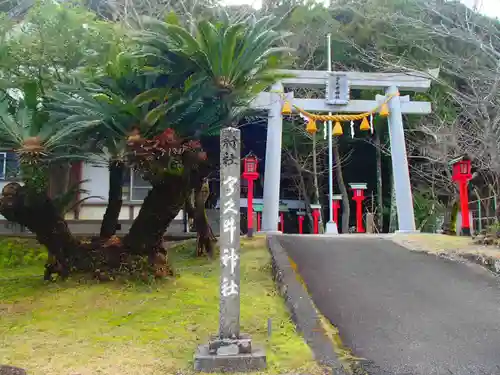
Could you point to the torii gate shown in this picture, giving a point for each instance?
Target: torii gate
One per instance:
(390, 82)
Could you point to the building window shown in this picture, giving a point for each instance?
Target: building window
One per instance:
(9, 166)
(139, 188)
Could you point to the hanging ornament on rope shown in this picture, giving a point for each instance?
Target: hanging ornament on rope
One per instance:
(364, 125)
(286, 109)
(311, 127)
(384, 110)
(311, 118)
(337, 129)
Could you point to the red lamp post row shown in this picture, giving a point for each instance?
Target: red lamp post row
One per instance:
(250, 174)
(461, 175)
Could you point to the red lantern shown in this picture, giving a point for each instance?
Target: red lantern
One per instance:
(461, 175)
(462, 170)
(359, 196)
(250, 164)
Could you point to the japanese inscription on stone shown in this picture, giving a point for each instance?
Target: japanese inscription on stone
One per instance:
(229, 319)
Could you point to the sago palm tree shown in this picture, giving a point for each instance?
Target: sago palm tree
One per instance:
(226, 65)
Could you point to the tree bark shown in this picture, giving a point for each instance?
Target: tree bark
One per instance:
(316, 184)
(346, 208)
(380, 203)
(109, 223)
(36, 211)
(161, 206)
(198, 212)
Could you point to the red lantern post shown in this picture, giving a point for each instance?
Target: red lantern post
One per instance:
(462, 175)
(250, 173)
(336, 205)
(281, 225)
(258, 209)
(359, 196)
(315, 214)
(300, 218)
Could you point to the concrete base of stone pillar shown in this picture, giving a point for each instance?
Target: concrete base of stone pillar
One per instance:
(331, 228)
(230, 355)
(270, 232)
(407, 232)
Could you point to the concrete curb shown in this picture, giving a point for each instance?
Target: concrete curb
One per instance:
(301, 308)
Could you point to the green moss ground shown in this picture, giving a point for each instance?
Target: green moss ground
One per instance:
(88, 328)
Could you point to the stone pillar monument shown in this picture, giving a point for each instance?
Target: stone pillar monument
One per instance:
(230, 350)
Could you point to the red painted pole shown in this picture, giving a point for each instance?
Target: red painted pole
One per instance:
(464, 202)
(282, 221)
(359, 216)
(301, 222)
(336, 212)
(258, 221)
(316, 219)
(250, 208)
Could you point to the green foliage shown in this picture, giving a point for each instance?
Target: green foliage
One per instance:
(54, 39)
(218, 69)
(427, 210)
(16, 252)
(23, 121)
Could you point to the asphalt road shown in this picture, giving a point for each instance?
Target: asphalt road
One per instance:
(404, 312)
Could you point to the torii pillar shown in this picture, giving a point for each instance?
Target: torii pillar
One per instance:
(272, 172)
(400, 170)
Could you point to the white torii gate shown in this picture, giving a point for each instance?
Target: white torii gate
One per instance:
(390, 82)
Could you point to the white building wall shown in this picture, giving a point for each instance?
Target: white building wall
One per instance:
(97, 184)
(97, 187)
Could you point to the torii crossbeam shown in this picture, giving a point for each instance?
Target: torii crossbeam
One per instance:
(391, 83)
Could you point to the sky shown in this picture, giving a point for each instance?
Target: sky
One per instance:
(488, 7)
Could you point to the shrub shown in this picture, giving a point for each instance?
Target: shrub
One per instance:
(15, 251)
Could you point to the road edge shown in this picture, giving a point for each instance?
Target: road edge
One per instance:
(301, 308)
(489, 263)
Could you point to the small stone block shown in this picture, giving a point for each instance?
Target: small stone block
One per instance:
(244, 346)
(231, 349)
(206, 362)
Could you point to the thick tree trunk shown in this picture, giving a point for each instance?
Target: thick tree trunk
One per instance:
(346, 208)
(380, 203)
(67, 254)
(37, 212)
(109, 223)
(450, 216)
(316, 184)
(206, 238)
(303, 191)
(161, 206)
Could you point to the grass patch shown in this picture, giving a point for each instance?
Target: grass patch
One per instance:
(90, 328)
